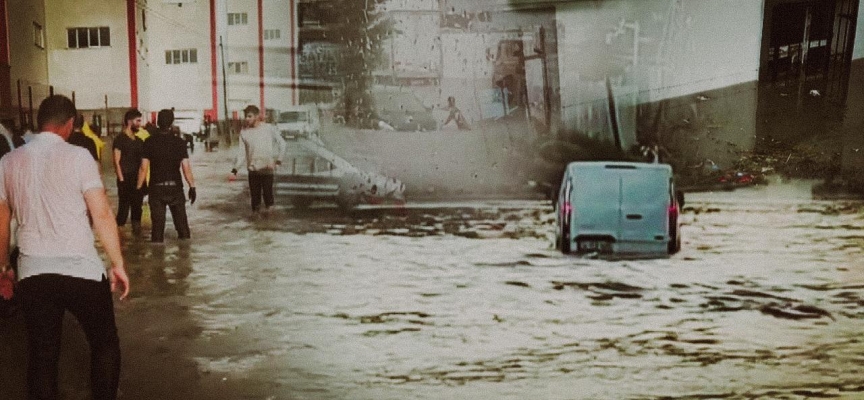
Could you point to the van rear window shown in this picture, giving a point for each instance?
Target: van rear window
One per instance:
(620, 167)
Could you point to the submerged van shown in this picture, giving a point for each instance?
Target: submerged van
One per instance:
(618, 208)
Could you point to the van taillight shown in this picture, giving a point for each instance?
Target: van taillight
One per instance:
(568, 209)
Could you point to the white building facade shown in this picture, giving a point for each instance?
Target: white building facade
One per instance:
(23, 61)
(153, 54)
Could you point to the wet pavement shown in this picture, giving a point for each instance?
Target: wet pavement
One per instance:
(470, 301)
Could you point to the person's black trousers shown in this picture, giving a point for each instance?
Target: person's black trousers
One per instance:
(130, 200)
(261, 182)
(45, 298)
(175, 200)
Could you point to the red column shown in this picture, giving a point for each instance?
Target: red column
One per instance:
(261, 51)
(293, 49)
(133, 53)
(213, 74)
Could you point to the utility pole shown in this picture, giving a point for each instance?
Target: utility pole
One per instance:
(107, 121)
(540, 53)
(30, 96)
(21, 116)
(225, 91)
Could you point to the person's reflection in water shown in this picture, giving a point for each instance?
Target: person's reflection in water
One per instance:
(168, 269)
(162, 269)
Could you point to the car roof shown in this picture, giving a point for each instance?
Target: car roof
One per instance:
(625, 164)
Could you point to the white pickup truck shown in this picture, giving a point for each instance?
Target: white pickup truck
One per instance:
(298, 121)
(310, 172)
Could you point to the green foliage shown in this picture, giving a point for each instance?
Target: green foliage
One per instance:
(360, 32)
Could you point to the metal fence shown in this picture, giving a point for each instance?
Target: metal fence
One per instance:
(26, 97)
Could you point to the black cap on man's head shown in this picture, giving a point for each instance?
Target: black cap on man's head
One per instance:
(165, 118)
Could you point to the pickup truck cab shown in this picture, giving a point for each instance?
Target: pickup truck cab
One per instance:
(298, 122)
(618, 208)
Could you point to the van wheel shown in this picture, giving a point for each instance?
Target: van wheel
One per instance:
(564, 241)
(347, 202)
(674, 245)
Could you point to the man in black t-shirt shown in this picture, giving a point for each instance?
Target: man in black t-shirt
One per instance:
(166, 156)
(128, 150)
(78, 138)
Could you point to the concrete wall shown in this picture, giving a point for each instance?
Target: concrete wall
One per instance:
(674, 34)
(189, 86)
(92, 73)
(683, 48)
(278, 91)
(241, 44)
(185, 86)
(416, 46)
(28, 62)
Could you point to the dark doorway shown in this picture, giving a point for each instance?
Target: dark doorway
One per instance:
(804, 73)
(810, 41)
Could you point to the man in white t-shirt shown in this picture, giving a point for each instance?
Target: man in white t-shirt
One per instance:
(261, 149)
(49, 186)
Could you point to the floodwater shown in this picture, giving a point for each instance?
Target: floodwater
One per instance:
(470, 301)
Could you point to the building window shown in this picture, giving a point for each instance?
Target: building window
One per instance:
(82, 38)
(237, 19)
(239, 67)
(184, 56)
(38, 36)
(270, 34)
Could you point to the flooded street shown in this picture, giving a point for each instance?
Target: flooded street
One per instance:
(470, 300)
(451, 123)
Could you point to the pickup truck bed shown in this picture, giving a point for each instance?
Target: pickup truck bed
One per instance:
(312, 173)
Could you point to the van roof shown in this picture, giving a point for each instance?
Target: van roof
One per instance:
(616, 165)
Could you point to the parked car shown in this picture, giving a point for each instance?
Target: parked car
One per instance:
(618, 208)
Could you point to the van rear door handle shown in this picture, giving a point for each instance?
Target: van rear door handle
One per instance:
(634, 216)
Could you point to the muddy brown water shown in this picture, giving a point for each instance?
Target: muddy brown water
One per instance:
(470, 301)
